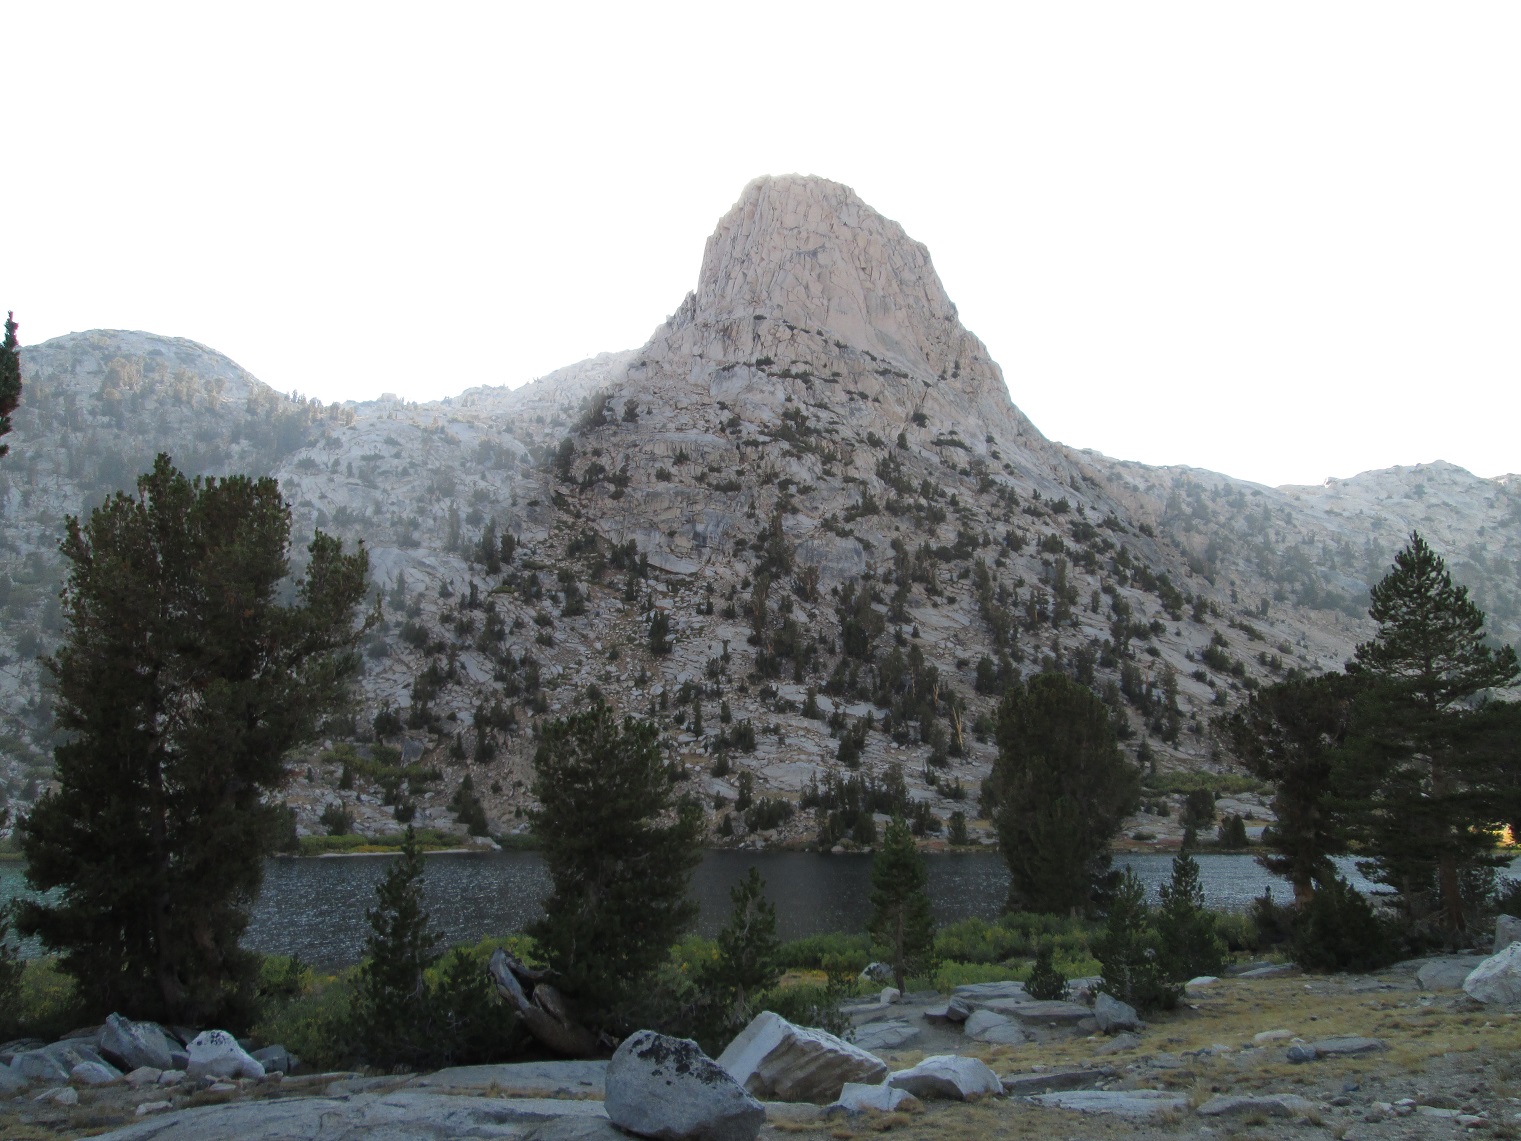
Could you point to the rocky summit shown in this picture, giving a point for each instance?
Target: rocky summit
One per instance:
(804, 526)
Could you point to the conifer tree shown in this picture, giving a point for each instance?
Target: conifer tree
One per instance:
(1063, 790)
(1289, 734)
(390, 1004)
(10, 378)
(1432, 803)
(1188, 938)
(1128, 954)
(189, 668)
(620, 846)
(1045, 981)
(901, 917)
(747, 949)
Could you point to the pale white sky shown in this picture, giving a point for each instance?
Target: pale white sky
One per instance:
(1276, 240)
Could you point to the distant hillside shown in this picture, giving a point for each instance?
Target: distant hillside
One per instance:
(814, 473)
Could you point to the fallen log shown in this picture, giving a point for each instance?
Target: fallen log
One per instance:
(542, 1008)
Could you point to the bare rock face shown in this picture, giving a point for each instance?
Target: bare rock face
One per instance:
(777, 1061)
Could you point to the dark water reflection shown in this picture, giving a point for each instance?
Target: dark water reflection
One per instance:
(316, 907)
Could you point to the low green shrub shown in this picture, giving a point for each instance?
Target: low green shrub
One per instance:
(47, 1004)
(810, 952)
(1014, 936)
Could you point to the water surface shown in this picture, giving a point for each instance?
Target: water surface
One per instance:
(316, 907)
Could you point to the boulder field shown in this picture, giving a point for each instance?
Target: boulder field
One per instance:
(1402, 1053)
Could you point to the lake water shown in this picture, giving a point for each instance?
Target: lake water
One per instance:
(315, 907)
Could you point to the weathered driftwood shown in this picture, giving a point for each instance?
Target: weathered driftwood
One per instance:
(541, 1008)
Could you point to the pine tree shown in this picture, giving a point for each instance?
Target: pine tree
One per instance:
(1062, 789)
(1188, 938)
(901, 917)
(1128, 954)
(390, 1003)
(620, 848)
(189, 668)
(1045, 981)
(1290, 734)
(10, 378)
(747, 950)
(1434, 803)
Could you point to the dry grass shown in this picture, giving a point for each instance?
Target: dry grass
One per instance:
(1229, 1014)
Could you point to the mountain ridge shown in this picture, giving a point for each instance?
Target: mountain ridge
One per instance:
(812, 414)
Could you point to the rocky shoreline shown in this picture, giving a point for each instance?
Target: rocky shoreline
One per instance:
(1404, 1052)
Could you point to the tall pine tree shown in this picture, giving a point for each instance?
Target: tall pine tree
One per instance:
(1062, 790)
(901, 919)
(1431, 803)
(620, 846)
(190, 666)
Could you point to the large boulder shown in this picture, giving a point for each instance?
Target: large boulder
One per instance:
(94, 1074)
(216, 1054)
(1446, 972)
(129, 1045)
(948, 1076)
(1507, 931)
(1112, 1015)
(1497, 980)
(777, 1061)
(54, 1063)
(667, 1088)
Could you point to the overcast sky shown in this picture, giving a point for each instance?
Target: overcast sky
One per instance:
(1281, 241)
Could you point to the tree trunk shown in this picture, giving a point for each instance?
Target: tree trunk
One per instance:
(1452, 898)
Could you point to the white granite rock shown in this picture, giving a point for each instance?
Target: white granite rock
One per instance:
(1497, 980)
(667, 1088)
(216, 1054)
(948, 1076)
(777, 1061)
